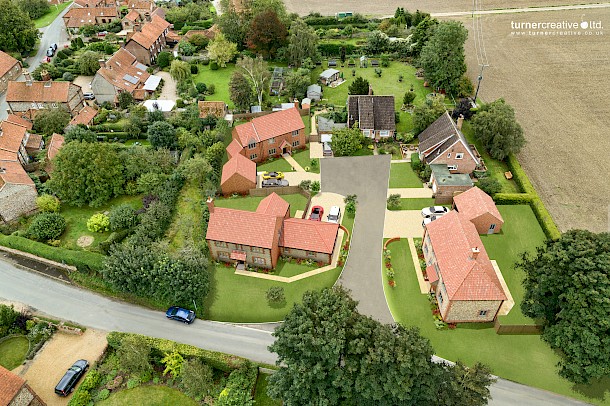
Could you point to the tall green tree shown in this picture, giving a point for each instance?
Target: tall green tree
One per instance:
(359, 86)
(18, 31)
(297, 83)
(240, 91)
(302, 44)
(267, 34)
(567, 286)
(88, 63)
(234, 26)
(221, 50)
(442, 58)
(257, 73)
(87, 173)
(497, 128)
(51, 121)
(421, 34)
(347, 141)
(34, 8)
(162, 134)
(180, 70)
(427, 113)
(76, 133)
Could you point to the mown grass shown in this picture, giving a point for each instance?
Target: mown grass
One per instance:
(303, 158)
(275, 165)
(12, 352)
(219, 78)
(402, 176)
(260, 397)
(149, 394)
(48, 18)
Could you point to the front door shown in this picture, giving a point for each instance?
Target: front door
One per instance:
(492, 228)
(285, 151)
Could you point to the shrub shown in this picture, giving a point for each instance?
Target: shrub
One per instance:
(275, 294)
(211, 89)
(82, 396)
(194, 69)
(98, 223)
(213, 65)
(46, 226)
(512, 198)
(305, 184)
(48, 203)
(197, 378)
(67, 76)
(544, 218)
(393, 201)
(122, 217)
(489, 185)
(103, 395)
(315, 186)
(133, 383)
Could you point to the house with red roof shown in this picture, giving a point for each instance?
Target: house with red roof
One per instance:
(479, 208)
(10, 69)
(14, 391)
(149, 41)
(462, 276)
(270, 135)
(258, 238)
(238, 176)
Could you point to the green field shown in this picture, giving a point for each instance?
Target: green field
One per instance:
(154, 395)
(402, 176)
(51, 15)
(12, 351)
(219, 78)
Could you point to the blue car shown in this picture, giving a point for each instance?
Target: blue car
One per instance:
(180, 314)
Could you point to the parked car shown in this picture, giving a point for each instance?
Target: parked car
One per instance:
(68, 382)
(102, 33)
(89, 96)
(50, 52)
(273, 175)
(180, 314)
(434, 211)
(46, 59)
(274, 182)
(428, 220)
(54, 46)
(334, 215)
(316, 213)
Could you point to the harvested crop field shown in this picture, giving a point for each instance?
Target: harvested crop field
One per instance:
(366, 7)
(559, 88)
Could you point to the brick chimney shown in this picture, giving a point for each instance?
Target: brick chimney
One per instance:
(28, 77)
(137, 27)
(460, 121)
(475, 253)
(296, 103)
(102, 63)
(210, 203)
(44, 75)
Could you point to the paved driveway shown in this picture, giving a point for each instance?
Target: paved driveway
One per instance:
(366, 177)
(169, 86)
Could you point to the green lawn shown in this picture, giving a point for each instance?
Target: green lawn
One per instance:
(364, 152)
(12, 352)
(303, 158)
(288, 269)
(495, 168)
(406, 122)
(402, 176)
(145, 143)
(307, 122)
(154, 395)
(219, 78)
(260, 397)
(76, 218)
(390, 147)
(186, 225)
(51, 15)
(416, 203)
(250, 203)
(279, 164)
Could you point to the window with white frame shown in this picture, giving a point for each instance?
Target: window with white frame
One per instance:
(483, 312)
(251, 144)
(366, 133)
(295, 133)
(459, 156)
(259, 260)
(253, 156)
(223, 254)
(384, 133)
(295, 144)
(272, 151)
(452, 167)
(271, 141)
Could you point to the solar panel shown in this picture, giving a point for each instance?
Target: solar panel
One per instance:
(130, 79)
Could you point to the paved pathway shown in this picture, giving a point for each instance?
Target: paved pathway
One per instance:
(403, 224)
(293, 163)
(509, 302)
(169, 86)
(412, 193)
(316, 150)
(424, 285)
(367, 177)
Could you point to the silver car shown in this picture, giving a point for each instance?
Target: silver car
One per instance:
(434, 211)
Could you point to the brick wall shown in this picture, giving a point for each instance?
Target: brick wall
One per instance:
(237, 184)
(12, 74)
(261, 149)
(317, 256)
(468, 311)
(142, 54)
(464, 165)
(444, 194)
(251, 253)
(483, 222)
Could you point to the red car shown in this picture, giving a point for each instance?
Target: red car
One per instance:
(46, 59)
(316, 213)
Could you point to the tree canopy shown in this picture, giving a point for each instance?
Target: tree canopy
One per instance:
(51, 121)
(442, 58)
(359, 86)
(497, 128)
(18, 31)
(221, 50)
(567, 286)
(77, 133)
(267, 34)
(347, 141)
(34, 8)
(162, 134)
(240, 90)
(88, 63)
(297, 83)
(427, 113)
(302, 44)
(257, 73)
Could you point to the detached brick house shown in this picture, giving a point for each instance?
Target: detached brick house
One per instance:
(238, 175)
(374, 115)
(10, 69)
(445, 185)
(479, 208)
(259, 238)
(147, 43)
(14, 391)
(271, 135)
(78, 17)
(443, 143)
(26, 98)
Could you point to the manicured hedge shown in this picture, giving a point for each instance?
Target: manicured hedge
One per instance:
(519, 175)
(334, 49)
(544, 218)
(512, 198)
(217, 360)
(84, 261)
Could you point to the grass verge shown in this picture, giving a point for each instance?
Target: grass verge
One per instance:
(48, 18)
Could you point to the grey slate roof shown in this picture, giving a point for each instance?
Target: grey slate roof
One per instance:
(371, 112)
(328, 125)
(328, 73)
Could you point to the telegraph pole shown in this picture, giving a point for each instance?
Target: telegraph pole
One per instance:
(479, 82)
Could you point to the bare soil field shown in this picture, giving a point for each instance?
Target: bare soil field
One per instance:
(381, 8)
(57, 355)
(559, 87)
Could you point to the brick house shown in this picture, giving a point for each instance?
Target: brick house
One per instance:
(26, 98)
(147, 43)
(130, 20)
(10, 69)
(443, 143)
(271, 135)
(95, 3)
(461, 275)
(14, 391)
(78, 17)
(238, 175)
(445, 185)
(123, 73)
(84, 117)
(479, 208)
(374, 115)
(259, 238)
(235, 148)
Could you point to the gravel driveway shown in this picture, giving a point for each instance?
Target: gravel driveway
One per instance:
(169, 86)
(57, 355)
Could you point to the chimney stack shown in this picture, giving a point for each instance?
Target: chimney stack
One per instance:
(137, 27)
(210, 203)
(28, 77)
(475, 253)
(296, 103)
(460, 121)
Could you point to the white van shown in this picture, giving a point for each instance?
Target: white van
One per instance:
(334, 215)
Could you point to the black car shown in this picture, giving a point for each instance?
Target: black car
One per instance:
(274, 182)
(180, 314)
(70, 379)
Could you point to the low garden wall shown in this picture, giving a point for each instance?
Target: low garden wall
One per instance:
(516, 329)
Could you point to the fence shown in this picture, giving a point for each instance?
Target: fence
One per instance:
(516, 329)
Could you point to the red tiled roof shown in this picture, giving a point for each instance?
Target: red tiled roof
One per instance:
(39, 92)
(77, 17)
(121, 64)
(56, 142)
(11, 136)
(234, 149)
(7, 63)
(274, 205)
(317, 236)
(270, 126)
(243, 227)
(151, 31)
(474, 202)
(133, 15)
(12, 172)
(431, 273)
(238, 255)
(10, 384)
(34, 141)
(15, 119)
(453, 237)
(85, 116)
(240, 165)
